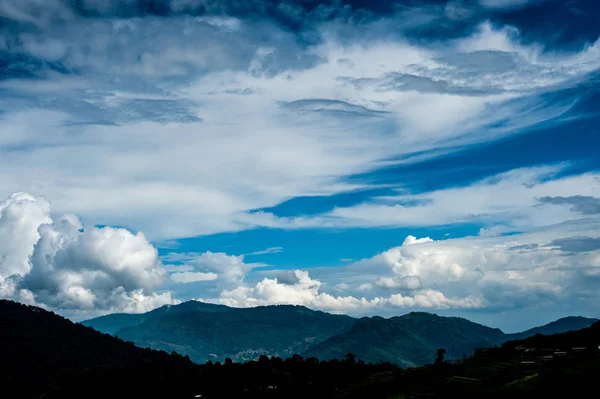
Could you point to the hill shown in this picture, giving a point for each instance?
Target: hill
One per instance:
(556, 327)
(240, 334)
(518, 369)
(408, 340)
(45, 355)
(412, 340)
(112, 323)
(214, 332)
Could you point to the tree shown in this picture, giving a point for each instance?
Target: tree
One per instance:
(350, 358)
(228, 361)
(440, 356)
(296, 358)
(263, 359)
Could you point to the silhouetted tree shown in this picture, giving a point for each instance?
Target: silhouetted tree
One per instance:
(350, 358)
(263, 360)
(296, 358)
(440, 356)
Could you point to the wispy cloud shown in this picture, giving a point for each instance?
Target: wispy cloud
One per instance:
(142, 98)
(270, 250)
(188, 118)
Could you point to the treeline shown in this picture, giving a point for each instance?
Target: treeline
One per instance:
(45, 355)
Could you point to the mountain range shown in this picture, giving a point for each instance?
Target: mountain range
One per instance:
(47, 356)
(209, 332)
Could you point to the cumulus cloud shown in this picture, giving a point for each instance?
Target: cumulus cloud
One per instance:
(406, 282)
(552, 268)
(411, 240)
(306, 291)
(192, 277)
(208, 266)
(57, 263)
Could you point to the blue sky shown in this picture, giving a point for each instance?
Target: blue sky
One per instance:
(350, 157)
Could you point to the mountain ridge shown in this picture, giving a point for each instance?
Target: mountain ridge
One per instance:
(213, 332)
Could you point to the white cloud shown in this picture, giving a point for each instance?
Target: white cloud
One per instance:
(56, 263)
(192, 277)
(306, 292)
(208, 266)
(411, 240)
(551, 268)
(506, 202)
(270, 250)
(227, 101)
(405, 282)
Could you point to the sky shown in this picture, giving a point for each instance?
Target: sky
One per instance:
(356, 157)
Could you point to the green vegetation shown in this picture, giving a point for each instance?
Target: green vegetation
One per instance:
(409, 340)
(47, 356)
(240, 334)
(214, 332)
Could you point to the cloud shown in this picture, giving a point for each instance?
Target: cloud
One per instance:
(553, 268)
(406, 282)
(502, 4)
(270, 250)
(585, 205)
(287, 277)
(208, 266)
(192, 277)
(55, 262)
(509, 201)
(577, 244)
(305, 292)
(118, 90)
(411, 240)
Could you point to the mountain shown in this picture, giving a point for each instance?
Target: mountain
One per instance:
(214, 332)
(45, 355)
(542, 366)
(408, 340)
(240, 334)
(412, 340)
(112, 323)
(556, 327)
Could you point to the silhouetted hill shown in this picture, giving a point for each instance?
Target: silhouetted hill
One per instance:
(556, 327)
(408, 340)
(240, 334)
(46, 355)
